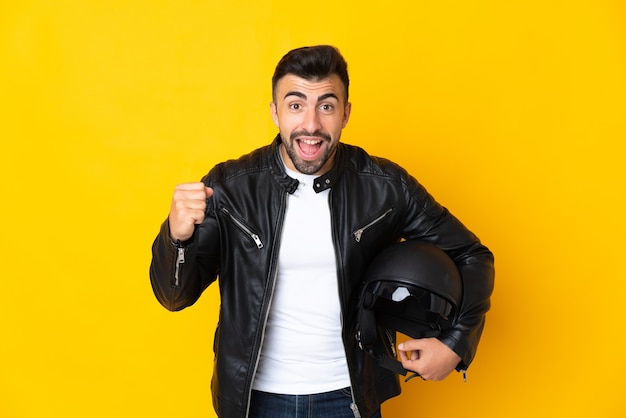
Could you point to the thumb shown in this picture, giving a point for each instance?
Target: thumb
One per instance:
(410, 345)
(209, 191)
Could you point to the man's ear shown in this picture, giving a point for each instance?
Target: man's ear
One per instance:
(274, 113)
(346, 114)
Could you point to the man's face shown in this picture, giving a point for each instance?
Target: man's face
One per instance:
(310, 116)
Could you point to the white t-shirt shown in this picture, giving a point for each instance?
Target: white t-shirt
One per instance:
(302, 349)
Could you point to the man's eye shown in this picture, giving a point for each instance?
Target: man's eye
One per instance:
(295, 106)
(327, 107)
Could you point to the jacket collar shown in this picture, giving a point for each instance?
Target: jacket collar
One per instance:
(290, 184)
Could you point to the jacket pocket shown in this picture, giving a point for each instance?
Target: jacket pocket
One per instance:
(358, 233)
(243, 227)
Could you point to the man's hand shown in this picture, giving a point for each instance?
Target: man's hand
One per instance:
(188, 206)
(428, 357)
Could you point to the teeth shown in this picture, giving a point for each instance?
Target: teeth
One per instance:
(311, 141)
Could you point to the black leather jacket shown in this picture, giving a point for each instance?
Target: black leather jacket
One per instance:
(373, 202)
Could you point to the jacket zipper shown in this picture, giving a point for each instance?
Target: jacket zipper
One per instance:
(359, 232)
(355, 409)
(269, 304)
(180, 260)
(244, 228)
(353, 406)
(258, 356)
(391, 340)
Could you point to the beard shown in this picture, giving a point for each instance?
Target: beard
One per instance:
(304, 166)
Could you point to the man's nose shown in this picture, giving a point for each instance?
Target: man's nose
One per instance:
(312, 121)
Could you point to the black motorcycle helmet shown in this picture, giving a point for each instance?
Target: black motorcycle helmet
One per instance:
(411, 287)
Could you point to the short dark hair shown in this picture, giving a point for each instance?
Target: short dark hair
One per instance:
(312, 63)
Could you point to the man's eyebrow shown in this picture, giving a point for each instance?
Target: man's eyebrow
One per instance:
(326, 96)
(303, 96)
(295, 93)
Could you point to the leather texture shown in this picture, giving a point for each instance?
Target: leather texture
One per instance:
(373, 203)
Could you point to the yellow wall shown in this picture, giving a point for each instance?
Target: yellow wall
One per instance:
(511, 113)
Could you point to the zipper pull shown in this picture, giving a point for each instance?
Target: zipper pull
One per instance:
(355, 410)
(257, 240)
(464, 371)
(359, 232)
(180, 259)
(244, 228)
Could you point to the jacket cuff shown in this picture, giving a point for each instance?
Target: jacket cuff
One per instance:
(455, 341)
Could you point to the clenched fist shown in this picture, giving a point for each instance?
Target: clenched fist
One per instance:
(188, 206)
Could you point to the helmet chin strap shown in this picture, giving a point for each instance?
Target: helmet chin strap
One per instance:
(370, 342)
(387, 362)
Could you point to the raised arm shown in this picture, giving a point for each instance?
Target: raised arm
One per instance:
(175, 274)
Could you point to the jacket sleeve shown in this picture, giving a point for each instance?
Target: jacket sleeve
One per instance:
(179, 273)
(431, 222)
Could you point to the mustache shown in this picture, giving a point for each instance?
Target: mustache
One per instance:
(303, 132)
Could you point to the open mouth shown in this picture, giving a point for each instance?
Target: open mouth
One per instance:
(309, 147)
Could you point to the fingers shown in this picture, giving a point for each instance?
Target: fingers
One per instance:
(413, 344)
(187, 210)
(410, 350)
(428, 357)
(409, 355)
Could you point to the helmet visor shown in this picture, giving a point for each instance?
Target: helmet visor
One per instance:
(404, 303)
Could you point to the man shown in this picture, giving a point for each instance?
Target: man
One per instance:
(289, 230)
